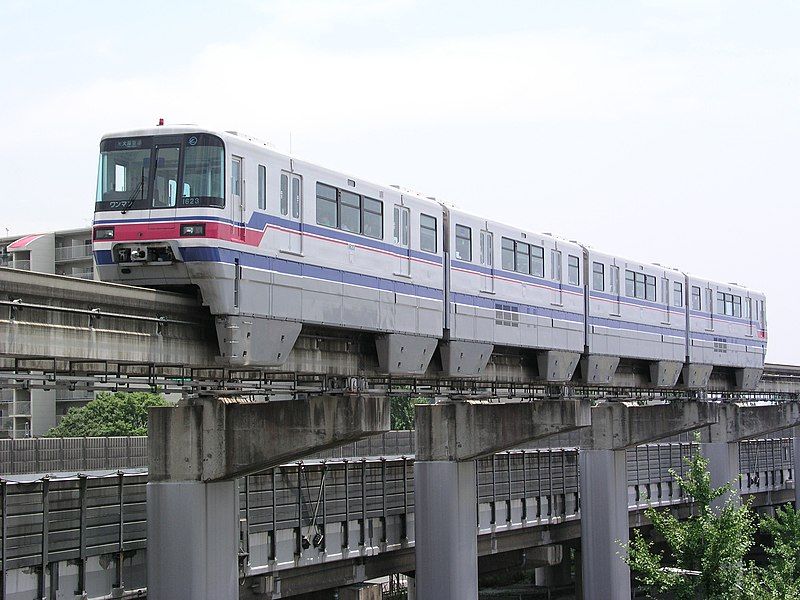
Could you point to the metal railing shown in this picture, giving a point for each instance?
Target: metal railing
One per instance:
(21, 408)
(73, 252)
(24, 265)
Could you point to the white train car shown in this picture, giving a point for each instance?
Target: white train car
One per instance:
(515, 288)
(634, 310)
(272, 243)
(727, 328)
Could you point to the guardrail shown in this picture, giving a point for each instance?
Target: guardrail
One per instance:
(318, 511)
(73, 252)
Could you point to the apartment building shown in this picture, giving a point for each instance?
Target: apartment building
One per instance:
(27, 413)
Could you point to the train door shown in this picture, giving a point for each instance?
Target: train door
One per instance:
(402, 218)
(487, 260)
(614, 287)
(237, 196)
(164, 189)
(555, 275)
(291, 208)
(748, 314)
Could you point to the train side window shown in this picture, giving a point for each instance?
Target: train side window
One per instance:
(665, 291)
(427, 233)
(573, 270)
(598, 277)
(555, 269)
(463, 243)
(737, 306)
(537, 261)
(615, 279)
(650, 288)
(677, 294)
(523, 258)
(748, 308)
(349, 212)
(373, 218)
(262, 187)
(763, 312)
(696, 298)
(710, 300)
(630, 287)
(327, 209)
(507, 252)
(297, 194)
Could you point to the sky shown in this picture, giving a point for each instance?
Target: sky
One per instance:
(661, 130)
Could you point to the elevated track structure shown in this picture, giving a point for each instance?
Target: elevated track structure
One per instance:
(58, 332)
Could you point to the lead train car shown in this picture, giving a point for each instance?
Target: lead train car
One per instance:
(273, 243)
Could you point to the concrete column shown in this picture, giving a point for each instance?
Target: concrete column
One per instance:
(446, 530)
(604, 524)
(192, 540)
(723, 466)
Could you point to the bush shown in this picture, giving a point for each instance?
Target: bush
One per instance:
(109, 414)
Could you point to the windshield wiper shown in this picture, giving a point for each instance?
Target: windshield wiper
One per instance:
(136, 191)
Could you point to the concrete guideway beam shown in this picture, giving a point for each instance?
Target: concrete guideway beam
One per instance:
(459, 431)
(450, 436)
(211, 440)
(622, 425)
(197, 450)
(615, 427)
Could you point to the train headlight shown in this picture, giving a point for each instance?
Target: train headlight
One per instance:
(104, 233)
(193, 230)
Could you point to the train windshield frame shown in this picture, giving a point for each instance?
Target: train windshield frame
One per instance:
(147, 172)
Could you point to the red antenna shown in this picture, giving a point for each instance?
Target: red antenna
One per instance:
(161, 121)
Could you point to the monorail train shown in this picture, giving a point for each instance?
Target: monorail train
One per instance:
(273, 243)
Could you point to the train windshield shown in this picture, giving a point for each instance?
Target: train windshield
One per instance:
(152, 172)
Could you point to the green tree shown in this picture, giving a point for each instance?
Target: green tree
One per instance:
(402, 411)
(707, 550)
(706, 557)
(118, 413)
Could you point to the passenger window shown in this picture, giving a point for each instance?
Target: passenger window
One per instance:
(463, 243)
(696, 303)
(677, 291)
(373, 218)
(573, 270)
(555, 270)
(665, 291)
(236, 176)
(349, 212)
(650, 288)
(598, 277)
(737, 306)
(507, 252)
(630, 287)
(537, 261)
(748, 310)
(327, 209)
(165, 184)
(262, 187)
(523, 258)
(427, 233)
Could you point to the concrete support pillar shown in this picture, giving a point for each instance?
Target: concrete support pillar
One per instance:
(450, 437)
(604, 524)
(723, 466)
(617, 426)
(193, 540)
(196, 452)
(446, 531)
